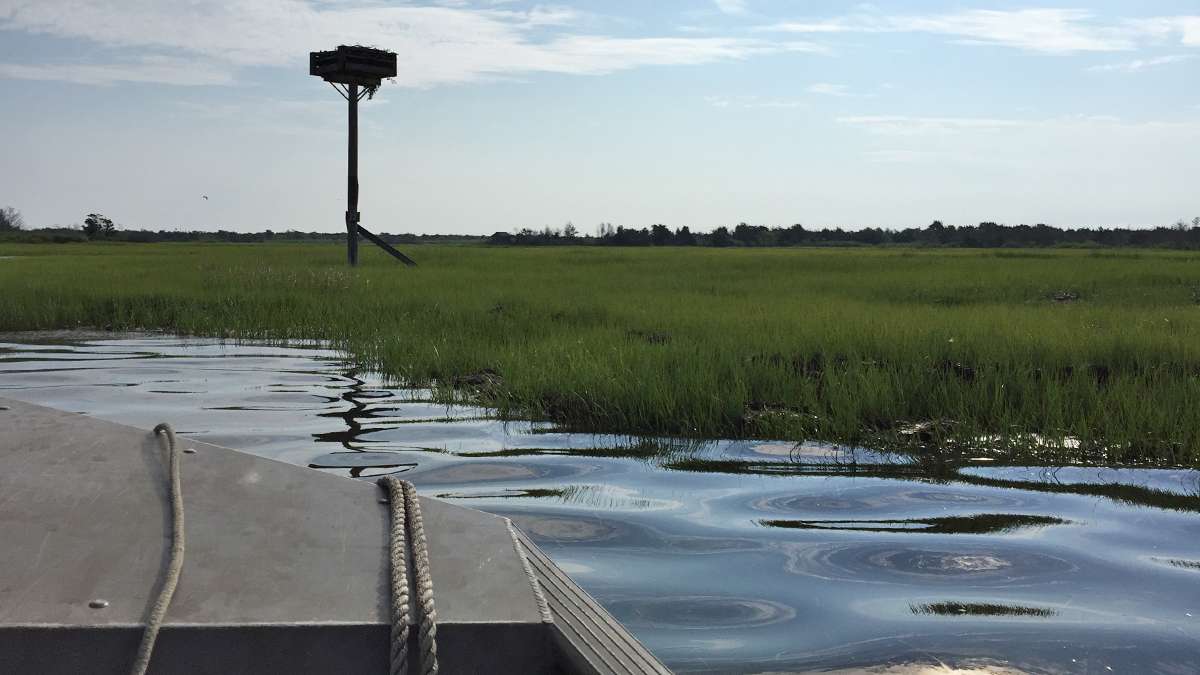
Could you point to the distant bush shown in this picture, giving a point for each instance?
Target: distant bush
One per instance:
(10, 219)
(96, 226)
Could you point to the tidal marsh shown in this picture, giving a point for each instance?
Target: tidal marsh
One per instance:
(1048, 355)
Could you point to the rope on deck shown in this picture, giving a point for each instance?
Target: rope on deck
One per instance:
(538, 595)
(158, 612)
(408, 525)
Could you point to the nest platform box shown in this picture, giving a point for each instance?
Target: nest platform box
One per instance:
(363, 66)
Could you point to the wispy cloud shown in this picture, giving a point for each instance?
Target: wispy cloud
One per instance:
(902, 125)
(829, 89)
(900, 156)
(1141, 64)
(731, 6)
(753, 102)
(1046, 30)
(436, 44)
(1056, 31)
(151, 70)
(1185, 28)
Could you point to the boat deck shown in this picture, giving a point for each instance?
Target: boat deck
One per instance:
(286, 567)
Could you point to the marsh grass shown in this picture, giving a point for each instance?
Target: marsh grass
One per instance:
(852, 346)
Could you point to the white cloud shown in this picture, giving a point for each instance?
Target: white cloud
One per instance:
(731, 6)
(1044, 30)
(435, 44)
(153, 70)
(1141, 64)
(1187, 28)
(1055, 31)
(828, 89)
(752, 102)
(596, 54)
(901, 156)
(902, 125)
(845, 25)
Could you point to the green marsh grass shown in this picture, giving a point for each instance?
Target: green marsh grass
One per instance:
(962, 349)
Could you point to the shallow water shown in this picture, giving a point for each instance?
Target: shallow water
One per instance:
(729, 556)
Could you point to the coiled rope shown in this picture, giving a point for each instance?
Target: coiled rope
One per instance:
(158, 612)
(408, 525)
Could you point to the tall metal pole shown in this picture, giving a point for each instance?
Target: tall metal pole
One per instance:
(352, 180)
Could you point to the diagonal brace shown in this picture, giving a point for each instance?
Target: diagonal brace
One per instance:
(386, 246)
(343, 92)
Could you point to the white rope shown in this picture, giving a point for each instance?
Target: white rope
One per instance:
(408, 525)
(398, 549)
(171, 579)
(538, 595)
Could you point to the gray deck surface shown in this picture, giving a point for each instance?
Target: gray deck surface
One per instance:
(286, 567)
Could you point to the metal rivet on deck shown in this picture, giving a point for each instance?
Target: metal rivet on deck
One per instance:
(189, 451)
(98, 604)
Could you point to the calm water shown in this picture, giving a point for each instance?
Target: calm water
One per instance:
(742, 556)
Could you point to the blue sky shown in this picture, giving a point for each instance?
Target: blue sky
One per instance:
(508, 114)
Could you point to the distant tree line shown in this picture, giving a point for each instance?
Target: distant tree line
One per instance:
(97, 227)
(983, 235)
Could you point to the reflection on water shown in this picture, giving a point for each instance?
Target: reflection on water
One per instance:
(1184, 564)
(725, 556)
(983, 523)
(979, 609)
(966, 564)
(707, 613)
(362, 464)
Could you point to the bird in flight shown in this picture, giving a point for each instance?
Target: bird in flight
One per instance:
(205, 197)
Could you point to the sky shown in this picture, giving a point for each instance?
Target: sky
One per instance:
(509, 114)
